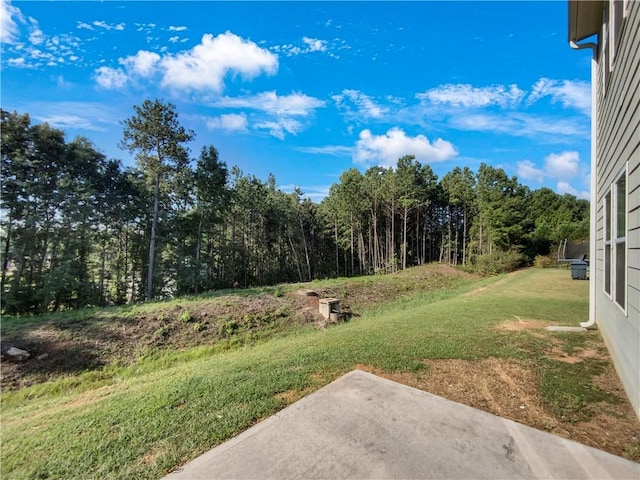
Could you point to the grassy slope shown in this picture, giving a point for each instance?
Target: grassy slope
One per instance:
(165, 411)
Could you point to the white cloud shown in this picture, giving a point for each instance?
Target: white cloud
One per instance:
(571, 94)
(107, 26)
(315, 45)
(36, 37)
(334, 150)
(365, 106)
(9, 15)
(386, 149)
(280, 126)
(232, 122)
(18, 63)
(84, 26)
(465, 95)
(142, 63)
(295, 104)
(110, 78)
(279, 114)
(174, 39)
(205, 66)
(75, 115)
(308, 45)
(145, 27)
(526, 169)
(562, 165)
(38, 49)
(67, 121)
(181, 28)
(564, 187)
(521, 125)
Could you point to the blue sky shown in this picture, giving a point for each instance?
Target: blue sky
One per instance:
(306, 90)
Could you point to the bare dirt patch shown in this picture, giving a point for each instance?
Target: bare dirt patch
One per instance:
(152, 457)
(523, 324)
(578, 355)
(497, 386)
(511, 390)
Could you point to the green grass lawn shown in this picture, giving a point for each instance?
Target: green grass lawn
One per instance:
(142, 420)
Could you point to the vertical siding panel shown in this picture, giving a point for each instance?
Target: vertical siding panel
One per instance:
(618, 142)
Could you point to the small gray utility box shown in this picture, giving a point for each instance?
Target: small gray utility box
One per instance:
(579, 270)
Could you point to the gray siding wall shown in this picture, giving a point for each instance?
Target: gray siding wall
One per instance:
(618, 144)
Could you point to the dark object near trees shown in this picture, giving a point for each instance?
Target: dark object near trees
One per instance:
(578, 270)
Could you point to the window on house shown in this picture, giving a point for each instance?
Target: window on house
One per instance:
(607, 243)
(621, 241)
(615, 28)
(604, 51)
(615, 241)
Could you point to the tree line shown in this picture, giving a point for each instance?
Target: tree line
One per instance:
(79, 229)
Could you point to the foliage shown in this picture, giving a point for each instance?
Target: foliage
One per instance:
(543, 261)
(498, 262)
(156, 135)
(80, 230)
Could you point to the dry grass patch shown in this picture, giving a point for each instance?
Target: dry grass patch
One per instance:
(511, 389)
(523, 324)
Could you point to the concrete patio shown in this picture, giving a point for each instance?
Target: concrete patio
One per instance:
(364, 426)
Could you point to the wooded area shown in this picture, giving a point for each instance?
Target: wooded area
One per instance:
(79, 229)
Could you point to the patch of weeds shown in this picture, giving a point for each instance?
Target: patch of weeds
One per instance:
(163, 331)
(185, 317)
(278, 292)
(198, 327)
(632, 452)
(229, 327)
(414, 366)
(281, 312)
(570, 390)
(572, 342)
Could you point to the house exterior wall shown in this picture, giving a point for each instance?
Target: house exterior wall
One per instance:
(618, 157)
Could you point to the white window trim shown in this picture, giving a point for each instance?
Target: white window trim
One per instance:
(612, 35)
(610, 210)
(604, 52)
(608, 217)
(615, 29)
(615, 239)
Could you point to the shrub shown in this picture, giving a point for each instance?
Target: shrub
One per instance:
(543, 261)
(498, 262)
